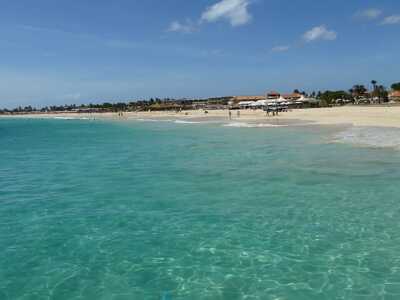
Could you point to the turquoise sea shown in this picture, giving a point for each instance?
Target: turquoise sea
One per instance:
(159, 210)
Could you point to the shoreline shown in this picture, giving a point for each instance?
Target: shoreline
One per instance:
(376, 127)
(374, 116)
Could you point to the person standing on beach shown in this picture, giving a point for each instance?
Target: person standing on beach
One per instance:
(238, 113)
(230, 115)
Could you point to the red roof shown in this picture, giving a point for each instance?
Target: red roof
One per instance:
(292, 95)
(395, 94)
(273, 93)
(244, 98)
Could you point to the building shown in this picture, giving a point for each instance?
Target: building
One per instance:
(296, 100)
(273, 95)
(236, 99)
(292, 96)
(245, 104)
(394, 96)
(362, 96)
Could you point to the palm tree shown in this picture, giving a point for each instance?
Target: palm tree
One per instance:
(374, 82)
(374, 89)
(382, 92)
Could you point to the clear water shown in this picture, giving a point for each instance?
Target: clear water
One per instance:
(107, 210)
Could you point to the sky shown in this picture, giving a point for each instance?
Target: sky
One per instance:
(62, 52)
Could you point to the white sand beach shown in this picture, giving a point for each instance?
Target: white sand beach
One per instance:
(376, 116)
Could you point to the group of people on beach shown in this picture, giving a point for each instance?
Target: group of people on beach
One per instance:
(269, 110)
(237, 114)
(274, 111)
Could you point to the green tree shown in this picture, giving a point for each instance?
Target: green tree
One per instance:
(359, 90)
(375, 92)
(374, 82)
(396, 86)
(330, 97)
(382, 93)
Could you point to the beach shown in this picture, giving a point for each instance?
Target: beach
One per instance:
(375, 116)
(200, 150)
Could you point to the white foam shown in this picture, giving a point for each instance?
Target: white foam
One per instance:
(378, 137)
(187, 122)
(154, 120)
(251, 125)
(70, 118)
(171, 120)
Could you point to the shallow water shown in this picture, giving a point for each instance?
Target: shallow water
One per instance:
(371, 136)
(153, 210)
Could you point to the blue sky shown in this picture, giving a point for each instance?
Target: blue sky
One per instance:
(55, 52)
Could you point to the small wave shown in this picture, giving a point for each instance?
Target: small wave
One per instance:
(370, 136)
(170, 120)
(251, 125)
(63, 118)
(154, 120)
(187, 122)
(71, 118)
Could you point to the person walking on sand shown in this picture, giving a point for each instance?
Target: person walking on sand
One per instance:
(230, 115)
(238, 113)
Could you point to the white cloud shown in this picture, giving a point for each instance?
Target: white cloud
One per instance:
(280, 49)
(177, 26)
(370, 14)
(391, 20)
(235, 11)
(319, 33)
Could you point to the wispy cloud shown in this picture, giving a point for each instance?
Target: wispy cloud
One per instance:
(391, 20)
(96, 42)
(369, 14)
(319, 33)
(46, 30)
(234, 11)
(110, 43)
(186, 27)
(280, 48)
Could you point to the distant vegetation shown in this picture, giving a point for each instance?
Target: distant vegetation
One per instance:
(153, 104)
(330, 97)
(396, 86)
(357, 94)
